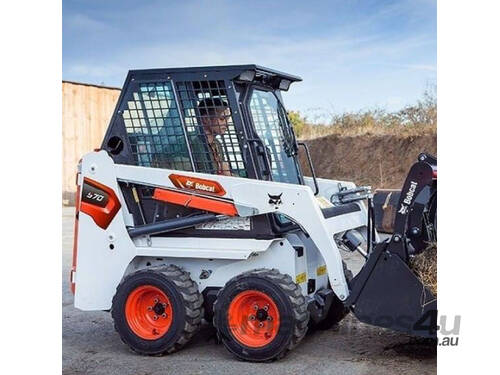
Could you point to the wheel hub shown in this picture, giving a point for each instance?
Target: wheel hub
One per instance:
(158, 308)
(261, 315)
(253, 318)
(148, 312)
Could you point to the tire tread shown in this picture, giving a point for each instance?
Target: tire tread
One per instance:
(295, 296)
(193, 305)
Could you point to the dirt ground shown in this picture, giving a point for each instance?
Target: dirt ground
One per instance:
(91, 346)
(382, 161)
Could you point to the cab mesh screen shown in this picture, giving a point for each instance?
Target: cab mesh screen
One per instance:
(199, 136)
(210, 127)
(154, 128)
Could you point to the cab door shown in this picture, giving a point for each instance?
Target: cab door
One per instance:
(271, 126)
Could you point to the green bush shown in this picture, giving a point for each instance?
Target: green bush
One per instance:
(298, 123)
(417, 119)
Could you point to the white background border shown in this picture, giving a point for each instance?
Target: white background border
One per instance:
(30, 188)
(468, 179)
(468, 148)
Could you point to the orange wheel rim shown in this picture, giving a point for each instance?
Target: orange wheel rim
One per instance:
(253, 318)
(148, 312)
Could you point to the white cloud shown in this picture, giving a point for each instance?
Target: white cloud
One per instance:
(345, 63)
(81, 22)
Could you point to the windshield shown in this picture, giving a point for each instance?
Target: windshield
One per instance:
(271, 125)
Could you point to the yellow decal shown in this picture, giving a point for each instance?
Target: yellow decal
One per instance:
(321, 270)
(301, 278)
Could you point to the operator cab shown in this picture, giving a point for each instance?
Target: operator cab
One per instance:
(218, 120)
(160, 117)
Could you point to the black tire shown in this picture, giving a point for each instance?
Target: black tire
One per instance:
(337, 310)
(186, 309)
(287, 297)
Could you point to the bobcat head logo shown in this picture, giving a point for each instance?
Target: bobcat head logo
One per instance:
(403, 210)
(275, 199)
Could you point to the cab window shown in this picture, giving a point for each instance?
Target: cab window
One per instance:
(270, 124)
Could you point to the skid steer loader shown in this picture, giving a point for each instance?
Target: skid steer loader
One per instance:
(195, 207)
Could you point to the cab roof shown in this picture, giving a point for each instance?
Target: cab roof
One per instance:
(248, 72)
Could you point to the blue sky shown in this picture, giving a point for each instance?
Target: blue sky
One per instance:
(352, 54)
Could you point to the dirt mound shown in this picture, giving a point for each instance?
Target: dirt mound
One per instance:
(381, 161)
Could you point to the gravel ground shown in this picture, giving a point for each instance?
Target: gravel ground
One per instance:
(91, 346)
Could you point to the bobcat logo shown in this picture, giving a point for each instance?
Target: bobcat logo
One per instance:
(275, 199)
(403, 210)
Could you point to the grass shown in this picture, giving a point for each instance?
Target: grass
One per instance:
(417, 119)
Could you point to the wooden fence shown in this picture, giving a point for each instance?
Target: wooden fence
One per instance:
(86, 112)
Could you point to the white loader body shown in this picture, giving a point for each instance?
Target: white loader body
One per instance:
(105, 256)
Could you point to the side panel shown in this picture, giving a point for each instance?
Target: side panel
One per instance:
(104, 255)
(253, 197)
(213, 272)
(310, 263)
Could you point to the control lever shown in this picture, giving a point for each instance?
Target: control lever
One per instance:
(261, 150)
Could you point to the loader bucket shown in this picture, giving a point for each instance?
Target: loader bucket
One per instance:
(386, 292)
(389, 295)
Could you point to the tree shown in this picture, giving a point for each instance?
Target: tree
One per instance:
(298, 123)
